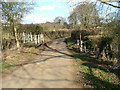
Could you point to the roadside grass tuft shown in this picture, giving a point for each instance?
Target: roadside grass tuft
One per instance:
(97, 72)
(6, 66)
(99, 78)
(13, 59)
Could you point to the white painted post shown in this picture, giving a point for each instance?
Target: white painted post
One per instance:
(81, 43)
(85, 47)
(23, 37)
(31, 37)
(81, 46)
(38, 38)
(28, 36)
(78, 42)
(35, 38)
(42, 37)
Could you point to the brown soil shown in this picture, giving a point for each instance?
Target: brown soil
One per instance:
(19, 58)
(54, 68)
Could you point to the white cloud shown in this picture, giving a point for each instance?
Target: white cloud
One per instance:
(36, 18)
(49, 8)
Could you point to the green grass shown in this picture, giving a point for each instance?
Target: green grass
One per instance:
(99, 78)
(97, 72)
(7, 66)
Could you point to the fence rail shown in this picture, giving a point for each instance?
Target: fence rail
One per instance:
(33, 38)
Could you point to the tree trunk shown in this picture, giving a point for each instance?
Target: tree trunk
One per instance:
(16, 36)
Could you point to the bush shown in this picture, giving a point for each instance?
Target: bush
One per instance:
(76, 33)
(33, 28)
(56, 34)
(8, 43)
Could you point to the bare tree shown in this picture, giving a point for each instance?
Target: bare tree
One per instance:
(73, 18)
(86, 14)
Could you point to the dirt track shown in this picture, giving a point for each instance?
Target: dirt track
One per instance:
(54, 69)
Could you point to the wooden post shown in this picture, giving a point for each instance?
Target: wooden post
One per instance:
(42, 37)
(16, 37)
(85, 47)
(81, 43)
(78, 42)
(23, 37)
(35, 38)
(38, 38)
(28, 36)
(81, 46)
(31, 37)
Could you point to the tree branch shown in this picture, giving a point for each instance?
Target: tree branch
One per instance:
(109, 4)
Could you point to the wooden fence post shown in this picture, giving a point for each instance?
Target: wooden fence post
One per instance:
(81, 43)
(81, 46)
(85, 47)
(35, 38)
(31, 37)
(23, 37)
(42, 37)
(38, 38)
(78, 42)
(28, 36)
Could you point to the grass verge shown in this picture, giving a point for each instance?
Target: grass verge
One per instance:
(97, 72)
(13, 59)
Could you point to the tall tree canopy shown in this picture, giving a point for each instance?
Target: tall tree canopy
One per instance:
(86, 14)
(13, 12)
(59, 20)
